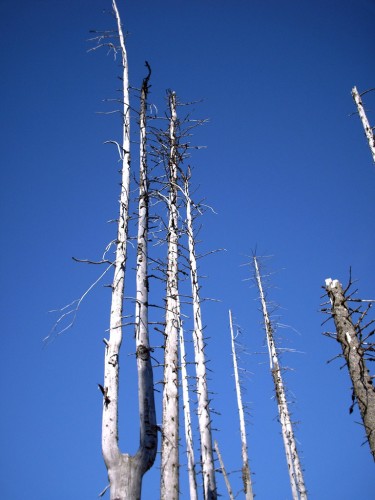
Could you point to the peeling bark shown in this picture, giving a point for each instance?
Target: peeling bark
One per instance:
(352, 350)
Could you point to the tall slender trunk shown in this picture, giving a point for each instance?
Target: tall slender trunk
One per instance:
(246, 474)
(117, 464)
(125, 472)
(353, 353)
(223, 470)
(169, 489)
(365, 123)
(294, 465)
(204, 419)
(187, 419)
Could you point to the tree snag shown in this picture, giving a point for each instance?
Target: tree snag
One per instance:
(246, 474)
(369, 132)
(353, 346)
(169, 488)
(292, 457)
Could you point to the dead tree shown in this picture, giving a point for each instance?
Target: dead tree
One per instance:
(246, 474)
(125, 472)
(369, 131)
(187, 418)
(169, 489)
(224, 472)
(292, 457)
(204, 418)
(356, 347)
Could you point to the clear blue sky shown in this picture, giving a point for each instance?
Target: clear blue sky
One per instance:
(286, 168)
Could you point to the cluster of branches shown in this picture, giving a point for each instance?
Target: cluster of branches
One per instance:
(355, 334)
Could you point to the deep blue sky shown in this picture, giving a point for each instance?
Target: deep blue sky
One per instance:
(287, 170)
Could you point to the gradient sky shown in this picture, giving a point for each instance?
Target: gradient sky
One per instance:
(286, 168)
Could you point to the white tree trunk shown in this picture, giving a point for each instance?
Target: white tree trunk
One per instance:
(294, 465)
(115, 462)
(125, 472)
(246, 474)
(204, 419)
(169, 489)
(187, 419)
(365, 123)
(226, 479)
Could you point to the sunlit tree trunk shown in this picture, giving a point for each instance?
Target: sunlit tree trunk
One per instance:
(365, 123)
(187, 418)
(125, 472)
(169, 489)
(294, 465)
(353, 353)
(224, 472)
(246, 474)
(204, 419)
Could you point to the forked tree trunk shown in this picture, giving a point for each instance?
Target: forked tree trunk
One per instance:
(119, 466)
(246, 474)
(204, 419)
(363, 387)
(294, 465)
(365, 123)
(125, 472)
(169, 488)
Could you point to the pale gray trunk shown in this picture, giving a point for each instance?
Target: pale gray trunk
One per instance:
(124, 471)
(187, 419)
(246, 474)
(294, 466)
(353, 353)
(224, 472)
(169, 489)
(365, 123)
(204, 419)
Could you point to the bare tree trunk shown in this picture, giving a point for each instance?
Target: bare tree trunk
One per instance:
(226, 479)
(294, 465)
(366, 125)
(118, 465)
(353, 353)
(170, 436)
(246, 474)
(187, 419)
(125, 472)
(204, 419)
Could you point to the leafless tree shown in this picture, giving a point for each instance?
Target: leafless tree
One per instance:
(169, 489)
(204, 418)
(246, 474)
(369, 131)
(294, 466)
(125, 472)
(354, 333)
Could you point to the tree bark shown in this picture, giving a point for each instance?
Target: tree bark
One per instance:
(125, 472)
(169, 489)
(246, 474)
(187, 418)
(365, 123)
(222, 467)
(352, 350)
(204, 418)
(292, 457)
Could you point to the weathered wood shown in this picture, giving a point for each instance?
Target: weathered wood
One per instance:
(352, 351)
